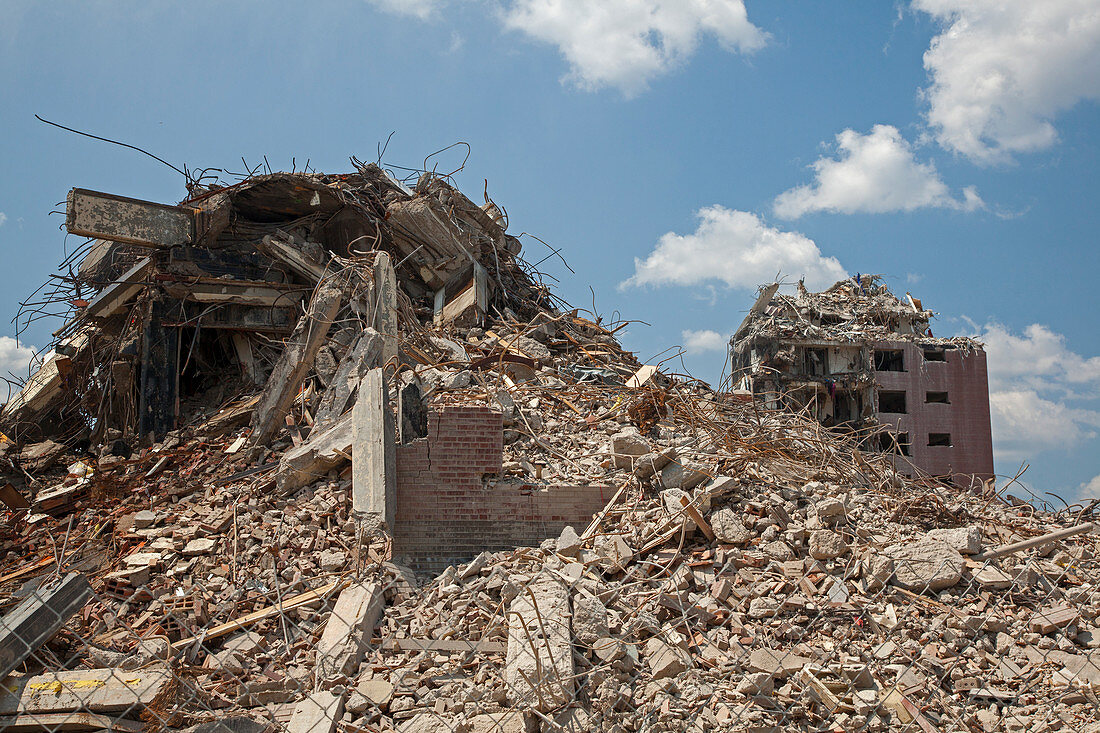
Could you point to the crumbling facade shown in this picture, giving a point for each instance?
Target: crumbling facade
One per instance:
(858, 358)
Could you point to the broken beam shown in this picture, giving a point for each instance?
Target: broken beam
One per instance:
(297, 359)
(41, 615)
(133, 221)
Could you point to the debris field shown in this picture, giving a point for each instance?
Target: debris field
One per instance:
(324, 453)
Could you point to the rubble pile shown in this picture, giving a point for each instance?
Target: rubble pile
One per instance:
(200, 510)
(859, 309)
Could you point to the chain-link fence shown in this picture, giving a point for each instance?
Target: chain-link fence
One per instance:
(734, 606)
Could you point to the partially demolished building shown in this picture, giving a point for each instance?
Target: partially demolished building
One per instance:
(858, 358)
(321, 453)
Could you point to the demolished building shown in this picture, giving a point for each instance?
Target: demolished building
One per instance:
(321, 453)
(860, 359)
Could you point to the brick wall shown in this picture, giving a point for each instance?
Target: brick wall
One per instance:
(965, 417)
(447, 512)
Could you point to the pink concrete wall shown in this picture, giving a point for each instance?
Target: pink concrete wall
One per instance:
(966, 418)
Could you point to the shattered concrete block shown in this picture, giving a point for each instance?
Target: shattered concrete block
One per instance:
(539, 665)
(377, 691)
(144, 518)
(826, 544)
(627, 446)
(926, 564)
(683, 475)
(756, 683)
(728, 527)
(613, 552)
(665, 660)
(830, 511)
(509, 721)
(877, 571)
(779, 551)
(776, 663)
(348, 631)
(589, 618)
(648, 465)
(966, 540)
(569, 544)
(433, 723)
(763, 607)
(201, 546)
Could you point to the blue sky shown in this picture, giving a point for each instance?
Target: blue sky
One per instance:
(679, 154)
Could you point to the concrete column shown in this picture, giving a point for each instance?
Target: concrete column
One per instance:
(374, 455)
(385, 295)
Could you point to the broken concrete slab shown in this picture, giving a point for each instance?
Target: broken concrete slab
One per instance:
(324, 450)
(348, 631)
(38, 618)
(297, 359)
(925, 565)
(374, 461)
(318, 713)
(539, 667)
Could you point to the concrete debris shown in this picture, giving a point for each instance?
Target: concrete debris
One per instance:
(332, 457)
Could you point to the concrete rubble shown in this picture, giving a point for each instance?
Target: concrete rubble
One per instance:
(749, 570)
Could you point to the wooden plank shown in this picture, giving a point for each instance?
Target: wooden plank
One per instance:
(38, 617)
(696, 517)
(121, 219)
(12, 498)
(288, 604)
(73, 721)
(89, 690)
(482, 646)
(1034, 542)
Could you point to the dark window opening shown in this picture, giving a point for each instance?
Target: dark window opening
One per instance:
(897, 443)
(889, 360)
(935, 355)
(942, 439)
(891, 402)
(829, 319)
(816, 362)
(937, 397)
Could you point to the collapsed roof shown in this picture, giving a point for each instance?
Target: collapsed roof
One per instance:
(860, 309)
(167, 297)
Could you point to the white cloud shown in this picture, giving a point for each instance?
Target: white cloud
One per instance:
(698, 342)
(417, 8)
(1090, 489)
(736, 248)
(1038, 359)
(1001, 70)
(3, 218)
(1025, 424)
(627, 43)
(1042, 395)
(873, 173)
(15, 358)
